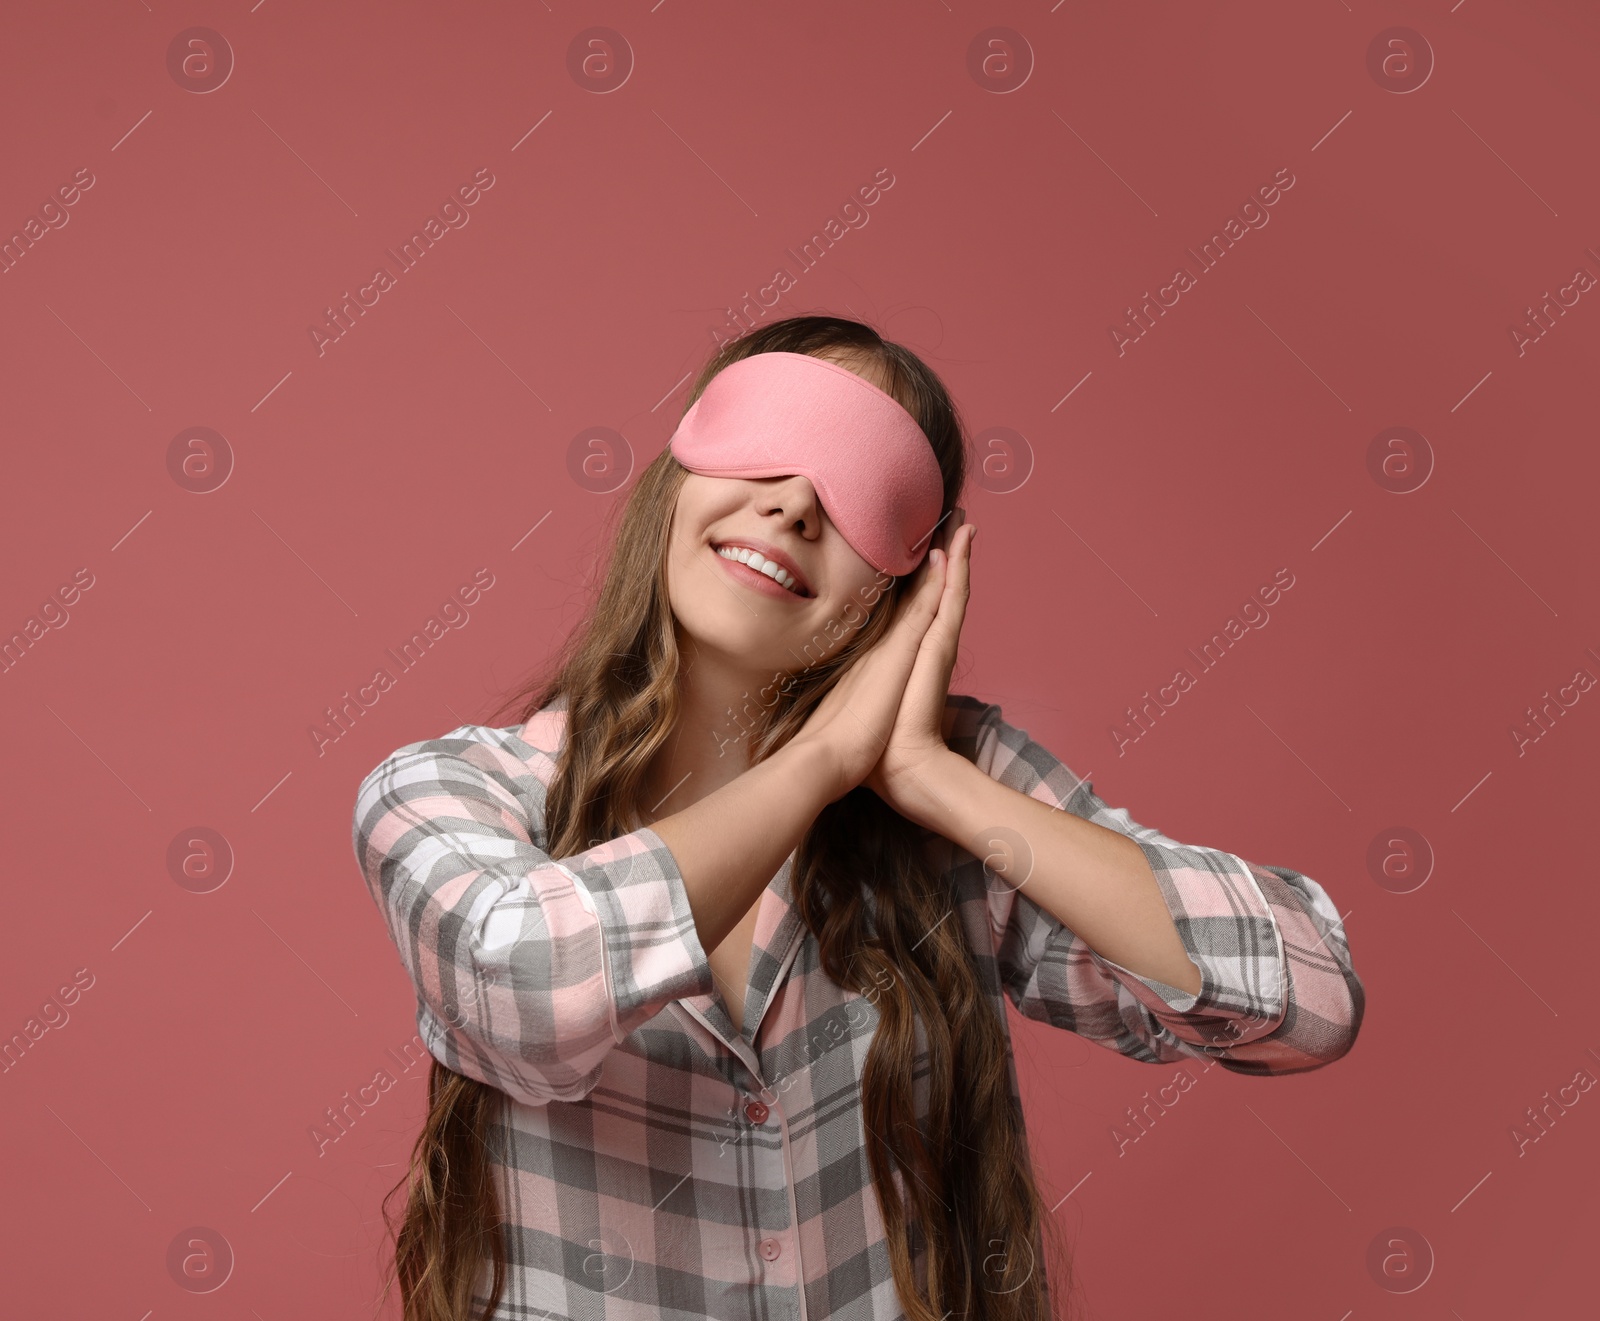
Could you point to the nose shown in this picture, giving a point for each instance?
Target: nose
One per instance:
(794, 498)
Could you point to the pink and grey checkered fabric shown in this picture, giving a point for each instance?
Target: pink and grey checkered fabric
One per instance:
(657, 1160)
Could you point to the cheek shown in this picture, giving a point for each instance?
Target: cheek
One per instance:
(854, 577)
(694, 594)
(872, 588)
(855, 614)
(685, 579)
(868, 594)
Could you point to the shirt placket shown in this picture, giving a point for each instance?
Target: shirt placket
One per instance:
(778, 1247)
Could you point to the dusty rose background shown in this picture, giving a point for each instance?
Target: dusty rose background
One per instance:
(223, 517)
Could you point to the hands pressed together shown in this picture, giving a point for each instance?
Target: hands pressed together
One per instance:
(884, 718)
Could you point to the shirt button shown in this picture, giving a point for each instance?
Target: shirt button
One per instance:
(770, 1248)
(756, 1113)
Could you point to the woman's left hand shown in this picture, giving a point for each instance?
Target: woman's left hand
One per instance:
(918, 734)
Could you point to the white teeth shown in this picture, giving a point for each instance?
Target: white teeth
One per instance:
(760, 564)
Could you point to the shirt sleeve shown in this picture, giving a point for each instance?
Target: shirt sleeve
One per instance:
(528, 969)
(1278, 992)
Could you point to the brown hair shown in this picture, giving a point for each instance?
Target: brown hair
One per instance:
(975, 1213)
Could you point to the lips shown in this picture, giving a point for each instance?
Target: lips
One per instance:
(753, 577)
(767, 551)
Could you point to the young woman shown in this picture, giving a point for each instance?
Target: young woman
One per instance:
(712, 945)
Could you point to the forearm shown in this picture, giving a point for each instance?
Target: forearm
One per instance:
(730, 844)
(1093, 880)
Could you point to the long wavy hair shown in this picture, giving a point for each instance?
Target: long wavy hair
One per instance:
(966, 1244)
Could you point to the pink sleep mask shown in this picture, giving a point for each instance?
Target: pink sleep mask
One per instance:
(777, 414)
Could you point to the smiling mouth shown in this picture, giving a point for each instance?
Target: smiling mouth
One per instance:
(758, 563)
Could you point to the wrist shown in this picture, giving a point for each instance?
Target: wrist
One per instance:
(929, 791)
(812, 770)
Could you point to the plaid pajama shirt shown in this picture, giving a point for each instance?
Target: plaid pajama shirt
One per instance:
(657, 1160)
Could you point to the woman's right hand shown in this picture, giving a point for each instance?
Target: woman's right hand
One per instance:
(854, 720)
